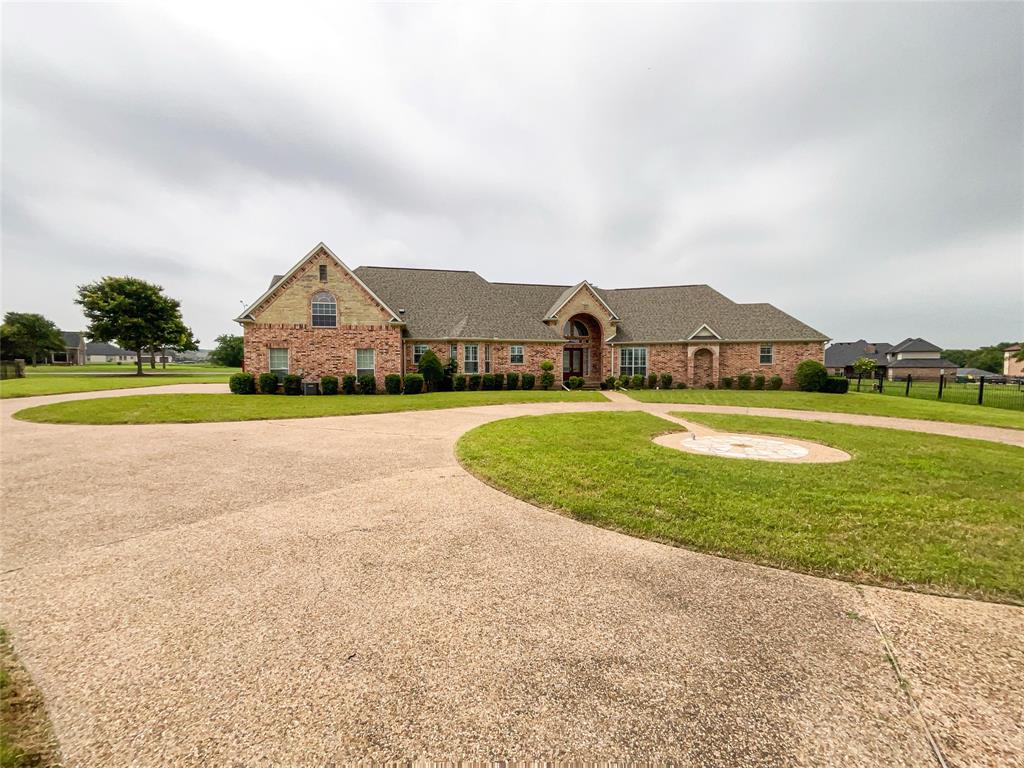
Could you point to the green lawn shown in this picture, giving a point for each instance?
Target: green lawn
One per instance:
(177, 368)
(852, 402)
(161, 409)
(939, 514)
(31, 386)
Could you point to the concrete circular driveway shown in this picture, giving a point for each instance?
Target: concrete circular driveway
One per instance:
(311, 591)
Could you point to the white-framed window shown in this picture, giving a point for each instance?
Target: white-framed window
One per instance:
(277, 359)
(472, 362)
(324, 311)
(365, 362)
(515, 354)
(487, 358)
(633, 361)
(453, 351)
(418, 351)
(767, 354)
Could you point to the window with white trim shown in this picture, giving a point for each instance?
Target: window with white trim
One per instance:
(633, 361)
(418, 351)
(365, 362)
(487, 358)
(767, 355)
(472, 361)
(515, 354)
(324, 311)
(453, 351)
(277, 358)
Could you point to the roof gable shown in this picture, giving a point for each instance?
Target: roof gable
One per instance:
(282, 280)
(567, 295)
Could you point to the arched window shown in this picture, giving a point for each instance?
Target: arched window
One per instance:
(325, 311)
(574, 328)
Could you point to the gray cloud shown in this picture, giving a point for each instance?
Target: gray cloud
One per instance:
(860, 166)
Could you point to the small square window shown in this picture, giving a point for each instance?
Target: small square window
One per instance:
(323, 273)
(515, 354)
(417, 352)
(767, 356)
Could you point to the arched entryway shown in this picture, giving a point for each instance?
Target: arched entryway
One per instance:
(703, 367)
(582, 354)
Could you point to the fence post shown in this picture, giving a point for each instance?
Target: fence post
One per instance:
(909, 377)
(981, 390)
(859, 375)
(942, 380)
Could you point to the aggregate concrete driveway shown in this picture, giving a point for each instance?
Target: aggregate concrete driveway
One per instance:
(312, 591)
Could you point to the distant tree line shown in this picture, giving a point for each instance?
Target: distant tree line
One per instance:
(984, 358)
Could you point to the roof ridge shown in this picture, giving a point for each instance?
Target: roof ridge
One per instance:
(419, 269)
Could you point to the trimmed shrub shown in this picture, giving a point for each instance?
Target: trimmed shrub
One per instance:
(610, 383)
(348, 384)
(744, 380)
(367, 384)
(268, 383)
(727, 382)
(624, 381)
(836, 385)
(547, 365)
(810, 376)
(512, 380)
(431, 369)
(709, 385)
(487, 382)
(242, 383)
(459, 382)
(329, 385)
(448, 380)
(575, 382)
(292, 384)
(547, 379)
(759, 381)
(666, 381)
(775, 382)
(393, 383)
(637, 382)
(499, 381)
(528, 379)
(652, 381)
(681, 385)
(474, 381)
(413, 383)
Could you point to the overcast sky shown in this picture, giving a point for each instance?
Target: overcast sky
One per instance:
(860, 167)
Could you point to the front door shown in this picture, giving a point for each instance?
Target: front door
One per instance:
(572, 363)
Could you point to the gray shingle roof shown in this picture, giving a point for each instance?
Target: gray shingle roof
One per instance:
(843, 353)
(104, 348)
(448, 304)
(915, 345)
(922, 362)
(452, 304)
(71, 338)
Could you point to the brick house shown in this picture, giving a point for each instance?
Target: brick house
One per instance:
(322, 318)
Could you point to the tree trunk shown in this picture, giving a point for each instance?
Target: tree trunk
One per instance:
(138, 363)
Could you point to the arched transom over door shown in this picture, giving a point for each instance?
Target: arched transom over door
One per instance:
(703, 367)
(582, 354)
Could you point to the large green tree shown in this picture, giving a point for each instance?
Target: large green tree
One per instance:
(29, 335)
(229, 351)
(135, 314)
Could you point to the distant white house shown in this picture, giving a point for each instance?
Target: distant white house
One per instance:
(103, 352)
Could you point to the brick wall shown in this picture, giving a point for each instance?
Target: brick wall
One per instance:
(745, 358)
(316, 352)
(533, 354)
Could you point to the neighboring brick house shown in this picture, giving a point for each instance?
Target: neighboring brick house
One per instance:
(911, 357)
(1011, 365)
(323, 318)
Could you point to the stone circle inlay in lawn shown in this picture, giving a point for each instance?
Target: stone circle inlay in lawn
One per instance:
(927, 512)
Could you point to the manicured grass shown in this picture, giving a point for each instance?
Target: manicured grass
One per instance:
(935, 513)
(160, 409)
(33, 386)
(26, 739)
(176, 368)
(852, 402)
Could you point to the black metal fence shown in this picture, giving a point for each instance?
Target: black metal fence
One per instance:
(994, 391)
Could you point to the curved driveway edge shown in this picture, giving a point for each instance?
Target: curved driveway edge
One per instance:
(330, 589)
